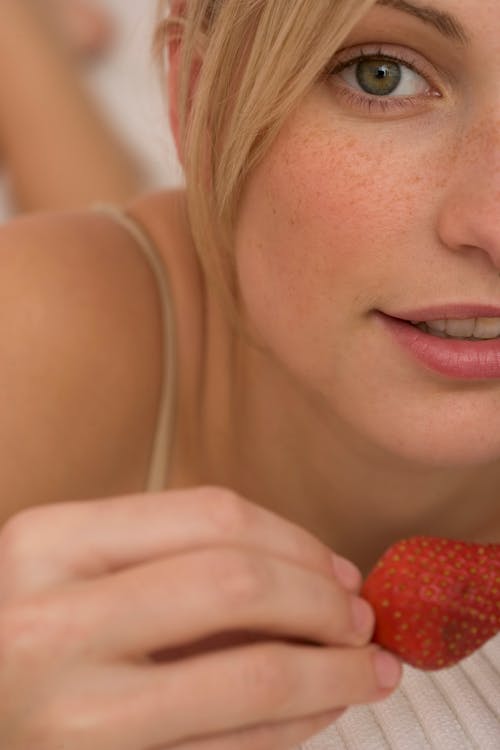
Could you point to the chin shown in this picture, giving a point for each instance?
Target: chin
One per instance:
(416, 430)
(450, 454)
(436, 446)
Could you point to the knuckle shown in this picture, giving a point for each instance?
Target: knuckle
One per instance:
(270, 679)
(17, 537)
(70, 722)
(45, 730)
(227, 512)
(20, 565)
(31, 633)
(242, 579)
(19, 634)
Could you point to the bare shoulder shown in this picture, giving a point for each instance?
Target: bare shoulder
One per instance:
(80, 355)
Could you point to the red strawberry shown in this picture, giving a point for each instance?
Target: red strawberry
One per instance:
(436, 600)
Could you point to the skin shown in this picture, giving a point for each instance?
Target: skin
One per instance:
(87, 27)
(73, 157)
(215, 617)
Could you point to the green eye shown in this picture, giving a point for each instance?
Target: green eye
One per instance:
(378, 76)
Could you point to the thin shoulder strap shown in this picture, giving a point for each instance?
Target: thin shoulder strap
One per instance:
(162, 448)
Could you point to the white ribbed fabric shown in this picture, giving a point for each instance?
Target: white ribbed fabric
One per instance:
(452, 709)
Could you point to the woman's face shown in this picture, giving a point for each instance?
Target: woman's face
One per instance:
(382, 195)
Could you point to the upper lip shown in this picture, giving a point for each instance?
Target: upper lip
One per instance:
(452, 311)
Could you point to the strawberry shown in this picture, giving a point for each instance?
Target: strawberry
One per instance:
(435, 600)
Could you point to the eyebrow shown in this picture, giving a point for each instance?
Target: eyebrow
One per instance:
(445, 23)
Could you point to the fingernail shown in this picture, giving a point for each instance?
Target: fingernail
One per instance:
(346, 572)
(387, 669)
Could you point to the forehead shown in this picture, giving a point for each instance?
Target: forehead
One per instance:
(469, 29)
(455, 18)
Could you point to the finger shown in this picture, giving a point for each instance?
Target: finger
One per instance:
(279, 736)
(45, 546)
(240, 688)
(179, 600)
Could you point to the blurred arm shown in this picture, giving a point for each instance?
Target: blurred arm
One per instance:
(58, 148)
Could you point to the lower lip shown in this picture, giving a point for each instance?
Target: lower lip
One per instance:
(467, 360)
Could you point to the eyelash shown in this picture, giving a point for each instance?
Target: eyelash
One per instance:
(372, 102)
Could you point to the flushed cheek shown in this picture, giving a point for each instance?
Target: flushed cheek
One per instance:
(322, 226)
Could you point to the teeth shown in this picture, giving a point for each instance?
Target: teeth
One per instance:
(438, 325)
(487, 328)
(460, 328)
(426, 329)
(477, 328)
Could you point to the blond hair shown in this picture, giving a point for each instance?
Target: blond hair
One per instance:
(260, 58)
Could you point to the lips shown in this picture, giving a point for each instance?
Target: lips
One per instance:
(472, 360)
(458, 311)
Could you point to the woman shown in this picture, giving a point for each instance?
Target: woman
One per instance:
(204, 453)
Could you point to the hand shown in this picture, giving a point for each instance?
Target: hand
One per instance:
(188, 620)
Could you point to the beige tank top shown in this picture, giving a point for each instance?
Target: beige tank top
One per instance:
(162, 447)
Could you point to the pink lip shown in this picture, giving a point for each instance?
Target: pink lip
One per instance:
(466, 360)
(445, 312)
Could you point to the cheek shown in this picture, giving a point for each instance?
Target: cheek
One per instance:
(320, 220)
(339, 219)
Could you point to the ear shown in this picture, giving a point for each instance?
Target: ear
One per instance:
(173, 89)
(174, 64)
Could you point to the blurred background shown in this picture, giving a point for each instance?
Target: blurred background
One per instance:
(127, 86)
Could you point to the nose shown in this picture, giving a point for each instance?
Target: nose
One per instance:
(469, 217)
